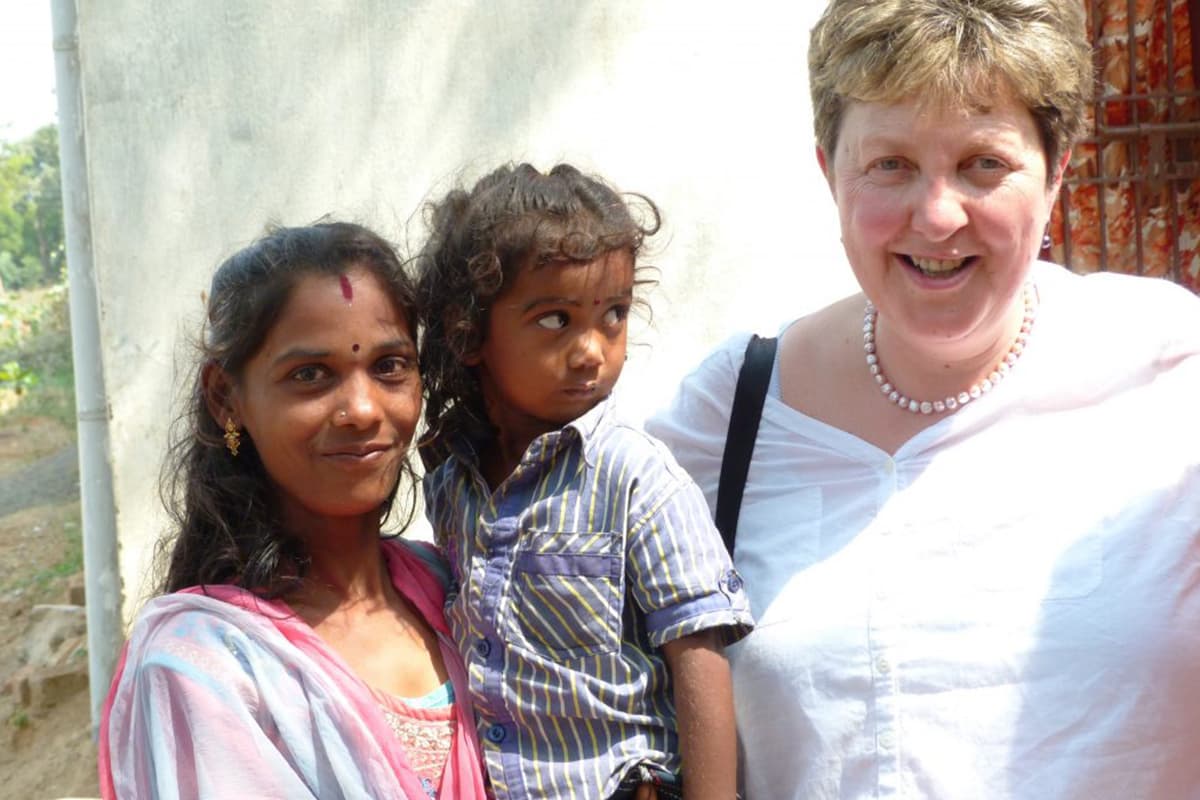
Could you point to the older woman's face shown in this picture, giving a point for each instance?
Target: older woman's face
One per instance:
(942, 213)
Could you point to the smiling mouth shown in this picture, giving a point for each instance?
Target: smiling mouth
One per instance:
(358, 452)
(938, 267)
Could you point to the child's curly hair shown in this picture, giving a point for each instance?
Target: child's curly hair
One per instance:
(513, 217)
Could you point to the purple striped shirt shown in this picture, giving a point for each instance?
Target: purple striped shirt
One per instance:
(596, 551)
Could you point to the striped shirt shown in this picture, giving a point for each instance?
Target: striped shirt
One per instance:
(592, 554)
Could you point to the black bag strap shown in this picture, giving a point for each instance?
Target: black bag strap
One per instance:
(748, 399)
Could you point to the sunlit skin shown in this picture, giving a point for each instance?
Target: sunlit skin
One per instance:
(332, 398)
(553, 348)
(330, 401)
(941, 188)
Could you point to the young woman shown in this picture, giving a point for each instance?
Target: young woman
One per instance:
(295, 652)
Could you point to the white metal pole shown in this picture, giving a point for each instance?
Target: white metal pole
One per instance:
(101, 570)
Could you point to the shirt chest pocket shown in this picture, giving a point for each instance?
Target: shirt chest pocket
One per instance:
(566, 590)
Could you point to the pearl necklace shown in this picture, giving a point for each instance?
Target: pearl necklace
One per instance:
(950, 402)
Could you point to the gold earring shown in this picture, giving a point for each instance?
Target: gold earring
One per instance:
(233, 437)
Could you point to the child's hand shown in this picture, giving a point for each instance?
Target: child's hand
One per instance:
(646, 792)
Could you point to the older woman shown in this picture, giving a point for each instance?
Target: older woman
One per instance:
(970, 523)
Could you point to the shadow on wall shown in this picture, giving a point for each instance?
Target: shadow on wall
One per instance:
(204, 121)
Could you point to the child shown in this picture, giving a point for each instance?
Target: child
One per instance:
(595, 593)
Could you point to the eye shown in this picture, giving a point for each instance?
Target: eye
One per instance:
(616, 315)
(309, 373)
(987, 171)
(988, 163)
(393, 366)
(889, 169)
(554, 321)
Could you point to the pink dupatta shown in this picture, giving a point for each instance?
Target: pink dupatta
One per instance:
(463, 775)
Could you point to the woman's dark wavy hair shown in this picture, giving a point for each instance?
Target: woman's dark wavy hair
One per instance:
(478, 239)
(225, 510)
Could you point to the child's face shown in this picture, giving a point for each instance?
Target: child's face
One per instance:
(332, 397)
(555, 343)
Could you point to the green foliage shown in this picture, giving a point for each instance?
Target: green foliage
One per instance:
(32, 249)
(35, 352)
(17, 272)
(19, 379)
(19, 719)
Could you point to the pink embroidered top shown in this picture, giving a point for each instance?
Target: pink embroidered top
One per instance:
(425, 728)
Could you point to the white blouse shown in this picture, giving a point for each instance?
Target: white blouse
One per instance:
(1009, 607)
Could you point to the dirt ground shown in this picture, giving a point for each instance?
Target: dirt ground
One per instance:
(49, 753)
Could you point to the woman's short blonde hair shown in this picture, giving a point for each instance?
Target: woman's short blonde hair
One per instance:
(959, 53)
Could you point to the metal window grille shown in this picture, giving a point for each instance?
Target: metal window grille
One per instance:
(1130, 200)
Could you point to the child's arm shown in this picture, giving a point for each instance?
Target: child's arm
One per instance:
(704, 706)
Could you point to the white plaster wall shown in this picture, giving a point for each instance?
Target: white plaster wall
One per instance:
(204, 120)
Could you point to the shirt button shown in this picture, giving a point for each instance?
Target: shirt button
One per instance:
(483, 647)
(496, 734)
(887, 741)
(734, 581)
(884, 666)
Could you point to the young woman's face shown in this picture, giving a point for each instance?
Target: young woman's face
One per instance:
(942, 212)
(332, 397)
(555, 343)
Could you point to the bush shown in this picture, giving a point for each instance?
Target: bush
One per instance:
(18, 273)
(35, 352)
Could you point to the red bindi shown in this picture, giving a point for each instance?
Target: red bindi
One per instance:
(355, 348)
(347, 290)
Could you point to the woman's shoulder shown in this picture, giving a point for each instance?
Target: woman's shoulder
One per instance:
(1151, 315)
(702, 398)
(723, 360)
(196, 620)
(194, 605)
(193, 639)
(423, 556)
(1131, 294)
(716, 373)
(805, 337)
